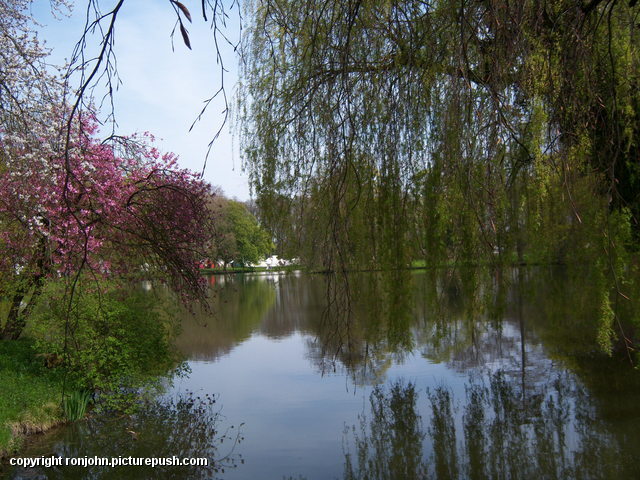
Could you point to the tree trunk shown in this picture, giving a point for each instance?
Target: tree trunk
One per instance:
(17, 320)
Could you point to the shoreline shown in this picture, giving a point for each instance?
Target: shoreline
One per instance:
(29, 404)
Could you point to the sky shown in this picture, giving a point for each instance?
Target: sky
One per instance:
(163, 86)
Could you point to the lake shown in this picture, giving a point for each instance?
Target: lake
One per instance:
(468, 373)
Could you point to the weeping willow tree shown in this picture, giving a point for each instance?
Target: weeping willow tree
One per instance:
(379, 132)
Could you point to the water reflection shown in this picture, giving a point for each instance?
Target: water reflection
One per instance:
(237, 305)
(527, 340)
(184, 427)
(365, 325)
(389, 442)
(367, 322)
(486, 434)
(504, 376)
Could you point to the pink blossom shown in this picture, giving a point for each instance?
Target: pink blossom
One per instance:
(110, 208)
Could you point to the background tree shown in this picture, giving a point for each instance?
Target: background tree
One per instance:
(238, 237)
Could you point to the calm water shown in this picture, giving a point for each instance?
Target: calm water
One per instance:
(438, 374)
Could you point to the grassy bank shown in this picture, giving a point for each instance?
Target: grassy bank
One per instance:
(121, 346)
(31, 392)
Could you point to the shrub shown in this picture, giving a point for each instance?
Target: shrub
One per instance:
(115, 339)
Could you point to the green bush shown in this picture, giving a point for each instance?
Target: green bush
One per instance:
(113, 339)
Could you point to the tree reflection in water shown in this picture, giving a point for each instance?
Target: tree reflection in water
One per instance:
(508, 380)
(538, 399)
(186, 427)
(365, 325)
(390, 445)
(488, 434)
(237, 306)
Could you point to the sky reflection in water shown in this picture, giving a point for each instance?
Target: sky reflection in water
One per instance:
(466, 374)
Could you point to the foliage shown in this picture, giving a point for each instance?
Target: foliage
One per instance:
(187, 426)
(387, 131)
(238, 237)
(116, 341)
(77, 214)
(74, 404)
(30, 393)
(71, 202)
(91, 208)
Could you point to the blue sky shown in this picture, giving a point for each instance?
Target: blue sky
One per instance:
(162, 89)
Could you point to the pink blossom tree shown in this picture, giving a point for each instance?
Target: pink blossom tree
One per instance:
(72, 204)
(107, 208)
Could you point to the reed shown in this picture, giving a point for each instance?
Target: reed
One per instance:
(74, 404)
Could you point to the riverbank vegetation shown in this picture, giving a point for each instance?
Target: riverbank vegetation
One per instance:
(382, 133)
(117, 342)
(84, 218)
(31, 394)
(115, 346)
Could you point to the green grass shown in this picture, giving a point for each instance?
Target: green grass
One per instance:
(31, 393)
